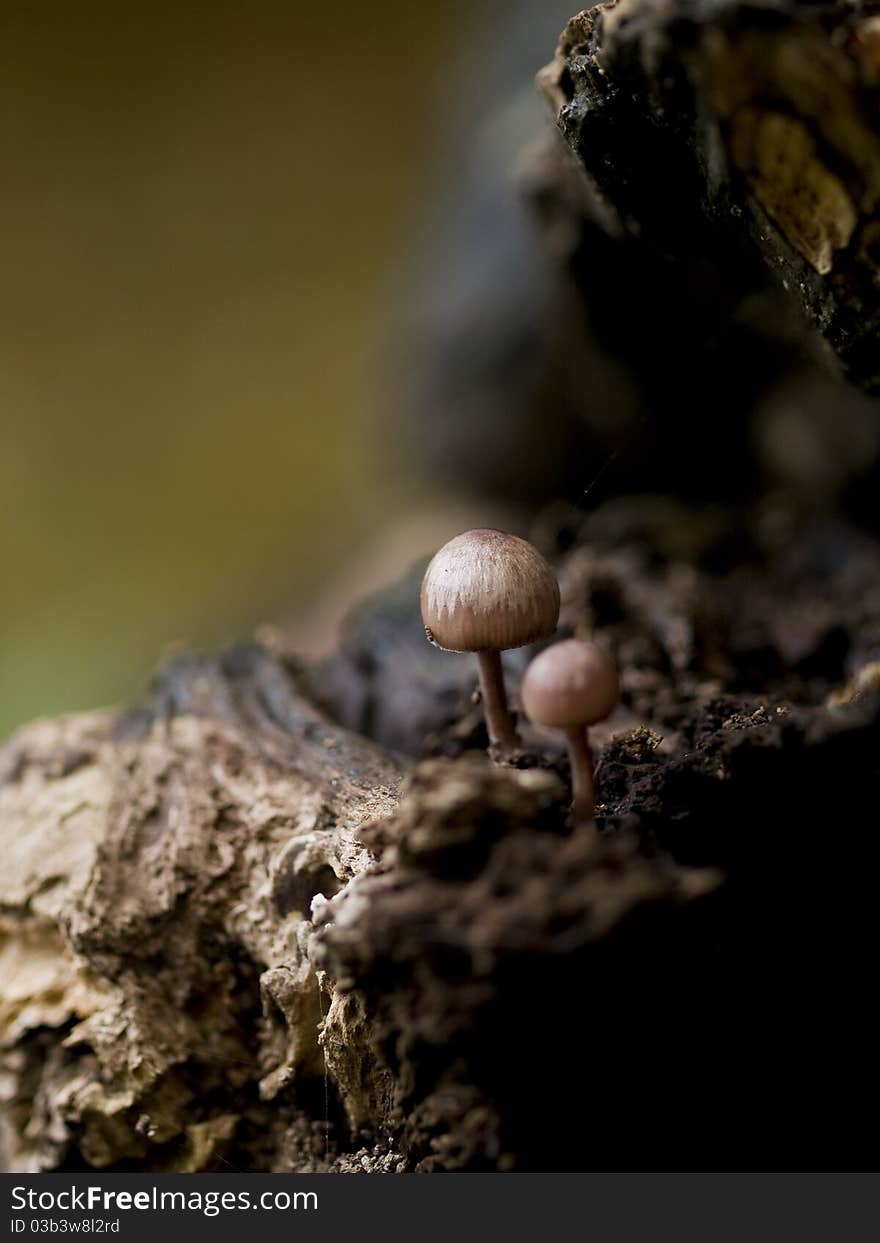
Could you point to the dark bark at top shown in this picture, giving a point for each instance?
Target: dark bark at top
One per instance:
(227, 935)
(652, 344)
(742, 130)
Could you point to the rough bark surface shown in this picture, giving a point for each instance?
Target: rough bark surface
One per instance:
(157, 1004)
(228, 938)
(292, 918)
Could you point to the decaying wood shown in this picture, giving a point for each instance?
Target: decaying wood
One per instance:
(735, 127)
(159, 866)
(230, 935)
(289, 918)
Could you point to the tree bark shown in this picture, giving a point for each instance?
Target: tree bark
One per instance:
(741, 129)
(156, 996)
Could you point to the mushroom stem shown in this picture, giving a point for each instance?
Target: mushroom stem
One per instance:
(499, 722)
(583, 786)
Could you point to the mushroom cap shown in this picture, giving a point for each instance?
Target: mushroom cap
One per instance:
(488, 591)
(571, 683)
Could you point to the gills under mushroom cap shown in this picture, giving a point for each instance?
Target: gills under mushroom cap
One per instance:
(488, 591)
(571, 683)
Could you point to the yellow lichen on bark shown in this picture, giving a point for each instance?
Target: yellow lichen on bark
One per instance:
(810, 204)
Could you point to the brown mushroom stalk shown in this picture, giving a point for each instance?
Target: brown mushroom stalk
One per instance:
(484, 592)
(583, 781)
(493, 693)
(571, 686)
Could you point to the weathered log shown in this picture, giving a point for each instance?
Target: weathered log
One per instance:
(165, 1001)
(156, 999)
(228, 938)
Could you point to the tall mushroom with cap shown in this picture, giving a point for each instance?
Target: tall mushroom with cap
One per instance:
(487, 591)
(571, 686)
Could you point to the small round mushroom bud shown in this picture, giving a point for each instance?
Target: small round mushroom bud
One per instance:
(571, 686)
(486, 591)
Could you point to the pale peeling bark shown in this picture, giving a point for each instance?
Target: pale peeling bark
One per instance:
(155, 984)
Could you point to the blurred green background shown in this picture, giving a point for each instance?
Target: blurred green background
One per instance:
(203, 214)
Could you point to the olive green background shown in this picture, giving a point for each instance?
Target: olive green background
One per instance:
(204, 213)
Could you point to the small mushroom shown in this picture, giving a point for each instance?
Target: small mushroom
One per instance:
(486, 591)
(571, 686)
